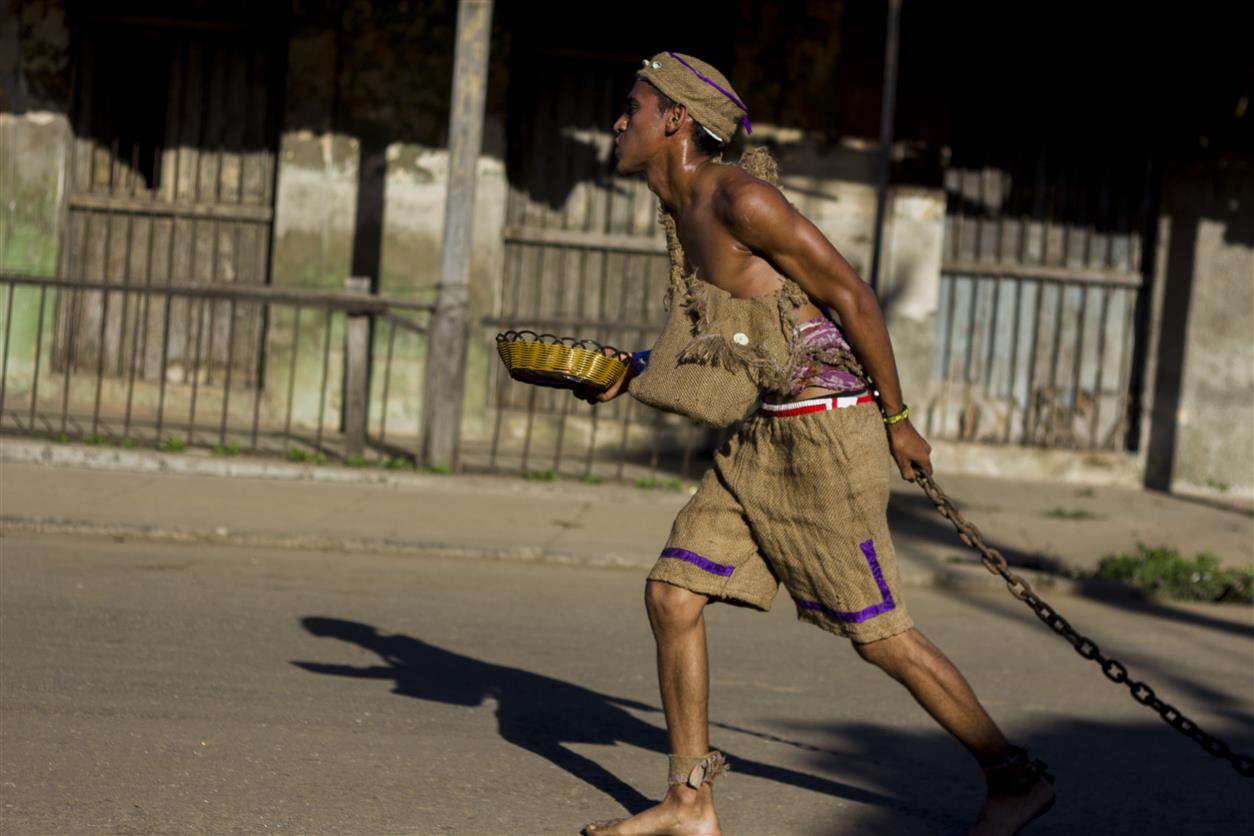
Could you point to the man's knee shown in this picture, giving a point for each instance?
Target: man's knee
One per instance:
(672, 606)
(891, 653)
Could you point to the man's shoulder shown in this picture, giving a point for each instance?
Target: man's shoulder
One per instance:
(738, 194)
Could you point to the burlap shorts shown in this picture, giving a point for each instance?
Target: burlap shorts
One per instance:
(802, 501)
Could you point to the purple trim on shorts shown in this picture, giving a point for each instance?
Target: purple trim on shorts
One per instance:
(744, 120)
(700, 562)
(868, 549)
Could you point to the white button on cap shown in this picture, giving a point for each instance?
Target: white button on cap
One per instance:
(740, 339)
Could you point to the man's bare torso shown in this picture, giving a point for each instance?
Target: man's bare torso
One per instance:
(714, 251)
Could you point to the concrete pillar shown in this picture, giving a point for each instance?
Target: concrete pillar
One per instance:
(446, 346)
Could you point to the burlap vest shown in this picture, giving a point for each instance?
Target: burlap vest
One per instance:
(717, 355)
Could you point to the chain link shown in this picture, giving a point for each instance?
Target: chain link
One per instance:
(1114, 670)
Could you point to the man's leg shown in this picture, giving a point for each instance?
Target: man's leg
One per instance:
(678, 621)
(944, 693)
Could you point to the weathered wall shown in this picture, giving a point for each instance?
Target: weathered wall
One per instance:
(1201, 421)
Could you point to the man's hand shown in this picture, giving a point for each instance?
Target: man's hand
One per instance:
(594, 397)
(909, 449)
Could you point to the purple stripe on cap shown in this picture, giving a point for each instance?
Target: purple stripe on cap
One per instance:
(744, 120)
(868, 550)
(700, 562)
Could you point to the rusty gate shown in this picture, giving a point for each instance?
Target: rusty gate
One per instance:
(171, 181)
(1042, 292)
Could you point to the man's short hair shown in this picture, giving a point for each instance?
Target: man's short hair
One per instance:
(706, 142)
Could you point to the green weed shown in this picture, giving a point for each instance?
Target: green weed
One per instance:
(1070, 514)
(128, 443)
(590, 479)
(229, 449)
(355, 461)
(439, 468)
(1162, 571)
(1086, 493)
(541, 476)
(172, 444)
(397, 463)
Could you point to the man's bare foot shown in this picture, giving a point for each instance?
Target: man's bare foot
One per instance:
(1006, 815)
(684, 812)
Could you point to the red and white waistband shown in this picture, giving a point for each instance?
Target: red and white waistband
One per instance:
(824, 404)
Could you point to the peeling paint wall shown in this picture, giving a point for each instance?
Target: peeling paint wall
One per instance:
(1215, 418)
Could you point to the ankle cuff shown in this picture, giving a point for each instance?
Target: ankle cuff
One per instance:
(695, 772)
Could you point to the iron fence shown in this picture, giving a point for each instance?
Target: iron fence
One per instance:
(267, 370)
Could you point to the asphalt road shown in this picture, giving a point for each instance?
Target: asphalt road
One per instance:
(152, 687)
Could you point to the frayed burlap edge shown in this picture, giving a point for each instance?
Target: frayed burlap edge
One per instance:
(711, 348)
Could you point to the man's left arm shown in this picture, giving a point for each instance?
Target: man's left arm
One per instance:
(760, 217)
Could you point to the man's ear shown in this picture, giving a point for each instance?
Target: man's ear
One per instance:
(675, 118)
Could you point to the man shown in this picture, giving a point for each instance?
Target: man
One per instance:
(800, 495)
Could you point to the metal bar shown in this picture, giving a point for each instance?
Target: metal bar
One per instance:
(230, 361)
(1124, 361)
(126, 275)
(1014, 360)
(1070, 275)
(584, 240)
(326, 374)
(100, 354)
(888, 101)
(1030, 410)
(387, 383)
(39, 340)
(130, 378)
(258, 367)
(1101, 366)
(531, 414)
(291, 377)
(971, 326)
(8, 334)
(273, 295)
(500, 415)
(992, 337)
(165, 360)
(213, 309)
(200, 332)
(69, 360)
(1077, 363)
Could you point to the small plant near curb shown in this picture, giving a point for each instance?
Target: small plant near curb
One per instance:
(1070, 514)
(172, 444)
(355, 461)
(541, 475)
(60, 438)
(590, 479)
(397, 463)
(1086, 493)
(295, 454)
(228, 449)
(650, 483)
(94, 440)
(438, 468)
(128, 443)
(1217, 485)
(1163, 572)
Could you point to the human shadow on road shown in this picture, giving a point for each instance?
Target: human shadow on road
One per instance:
(541, 714)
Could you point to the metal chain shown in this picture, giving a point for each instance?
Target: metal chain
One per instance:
(1114, 670)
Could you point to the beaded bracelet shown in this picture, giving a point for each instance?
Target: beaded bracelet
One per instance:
(899, 417)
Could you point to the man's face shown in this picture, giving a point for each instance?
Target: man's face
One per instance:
(640, 131)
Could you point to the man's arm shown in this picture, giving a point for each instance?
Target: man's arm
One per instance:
(759, 216)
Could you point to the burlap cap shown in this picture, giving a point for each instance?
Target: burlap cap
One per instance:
(705, 91)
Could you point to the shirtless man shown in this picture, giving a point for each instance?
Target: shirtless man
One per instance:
(740, 234)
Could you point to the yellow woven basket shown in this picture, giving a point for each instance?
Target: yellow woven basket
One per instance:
(561, 362)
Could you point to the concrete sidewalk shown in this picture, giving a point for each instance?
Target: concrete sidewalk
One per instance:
(65, 488)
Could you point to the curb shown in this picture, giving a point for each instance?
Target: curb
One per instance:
(297, 542)
(958, 577)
